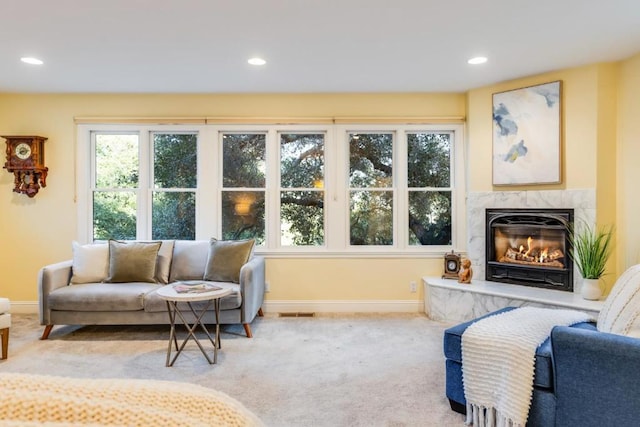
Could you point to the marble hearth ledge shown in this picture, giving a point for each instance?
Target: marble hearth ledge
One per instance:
(447, 300)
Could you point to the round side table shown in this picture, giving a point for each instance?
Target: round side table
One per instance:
(173, 298)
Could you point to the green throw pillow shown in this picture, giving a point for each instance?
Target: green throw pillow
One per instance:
(226, 258)
(132, 261)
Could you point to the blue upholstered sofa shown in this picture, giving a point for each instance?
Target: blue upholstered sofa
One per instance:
(583, 377)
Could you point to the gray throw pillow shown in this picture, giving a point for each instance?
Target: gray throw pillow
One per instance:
(132, 261)
(226, 258)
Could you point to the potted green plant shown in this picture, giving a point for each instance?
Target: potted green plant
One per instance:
(591, 249)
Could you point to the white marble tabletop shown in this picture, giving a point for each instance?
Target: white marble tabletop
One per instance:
(170, 294)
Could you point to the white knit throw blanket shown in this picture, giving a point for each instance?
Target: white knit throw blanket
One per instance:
(498, 359)
(37, 400)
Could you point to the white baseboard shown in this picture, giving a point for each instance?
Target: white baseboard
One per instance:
(294, 306)
(340, 306)
(24, 307)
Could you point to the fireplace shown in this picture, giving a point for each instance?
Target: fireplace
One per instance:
(529, 247)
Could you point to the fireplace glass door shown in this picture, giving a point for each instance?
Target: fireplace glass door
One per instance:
(529, 247)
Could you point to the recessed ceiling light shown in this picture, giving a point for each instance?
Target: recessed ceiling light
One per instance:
(257, 61)
(32, 61)
(477, 60)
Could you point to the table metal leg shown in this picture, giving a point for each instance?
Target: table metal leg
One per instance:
(173, 310)
(217, 309)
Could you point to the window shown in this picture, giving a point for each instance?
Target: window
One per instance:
(243, 181)
(115, 189)
(321, 189)
(371, 188)
(175, 172)
(301, 189)
(143, 184)
(429, 188)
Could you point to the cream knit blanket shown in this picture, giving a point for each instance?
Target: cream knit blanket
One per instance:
(498, 359)
(30, 400)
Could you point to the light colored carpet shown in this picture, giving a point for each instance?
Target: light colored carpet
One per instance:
(329, 370)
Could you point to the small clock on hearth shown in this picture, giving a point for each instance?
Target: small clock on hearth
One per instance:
(25, 159)
(451, 265)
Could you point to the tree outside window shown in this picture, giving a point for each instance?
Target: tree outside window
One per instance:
(243, 180)
(302, 189)
(371, 188)
(175, 172)
(116, 184)
(429, 183)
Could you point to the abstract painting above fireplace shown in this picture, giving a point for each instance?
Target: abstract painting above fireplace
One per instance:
(529, 247)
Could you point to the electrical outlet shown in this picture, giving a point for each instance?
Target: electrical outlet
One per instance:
(267, 287)
(413, 287)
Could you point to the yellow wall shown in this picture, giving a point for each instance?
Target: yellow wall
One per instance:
(628, 176)
(39, 231)
(579, 133)
(606, 191)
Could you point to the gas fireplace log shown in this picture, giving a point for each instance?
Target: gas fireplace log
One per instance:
(555, 254)
(512, 254)
(535, 256)
(552, 264)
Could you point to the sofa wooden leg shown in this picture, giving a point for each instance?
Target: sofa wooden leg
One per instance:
(260, 312)
(47, 331)
(5, 342)
(247, 329)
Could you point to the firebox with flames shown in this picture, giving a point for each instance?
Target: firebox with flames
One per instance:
(534, 254)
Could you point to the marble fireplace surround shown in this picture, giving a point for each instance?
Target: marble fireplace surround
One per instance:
(448, 300)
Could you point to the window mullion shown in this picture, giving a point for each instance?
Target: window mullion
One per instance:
(334, 190)
(400, 195)
(85, 173)
(272, 191)
(459, 192)
(145, 188)
(209, 183)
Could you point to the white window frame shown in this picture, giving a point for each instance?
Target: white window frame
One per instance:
(400, 187)
(336, 185)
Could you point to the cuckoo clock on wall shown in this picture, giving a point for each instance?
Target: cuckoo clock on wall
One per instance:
(25, 159)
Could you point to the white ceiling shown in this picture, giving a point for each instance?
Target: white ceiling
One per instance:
(202, 46)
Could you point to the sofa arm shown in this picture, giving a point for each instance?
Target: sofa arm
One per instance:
(252, 287)
(596, 377)
(51, 277)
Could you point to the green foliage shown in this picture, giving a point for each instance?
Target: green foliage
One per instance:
(175, 160)
(174, 216)
(430, 217)
(591, 249)
(243, 225)
(303, 212)
(371, 220)
(301, 160)
(114, 210)
(116, 161)
(302, 167)
(243, 158)
(371, 160)
(429, 163)
(174, 167)
(428, 175)
(114, 215)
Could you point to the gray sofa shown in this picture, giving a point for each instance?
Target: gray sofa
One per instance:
(136, 303)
